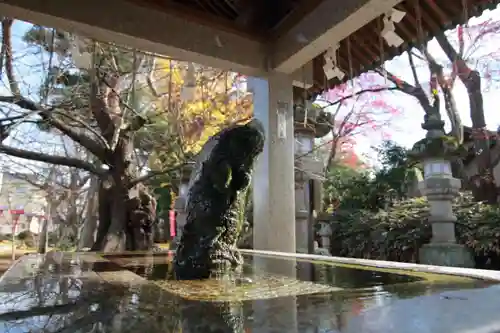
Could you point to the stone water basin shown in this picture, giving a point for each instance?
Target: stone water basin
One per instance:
(130, 292)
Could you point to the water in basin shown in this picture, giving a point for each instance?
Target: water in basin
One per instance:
(136, 293)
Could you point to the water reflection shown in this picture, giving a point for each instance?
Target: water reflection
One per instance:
(69, 295)
(87, 294)
(62, 296)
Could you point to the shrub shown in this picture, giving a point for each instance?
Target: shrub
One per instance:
(53, 238)
(27, 237)
(5, 237)
(398, 233)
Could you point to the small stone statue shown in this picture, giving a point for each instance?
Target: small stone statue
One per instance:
(222, 174)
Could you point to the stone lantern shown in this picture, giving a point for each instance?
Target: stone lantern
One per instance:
(307, 127)
(440, 187)
(325, 232)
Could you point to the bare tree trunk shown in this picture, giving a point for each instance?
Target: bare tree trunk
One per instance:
(116, 235)
(13, 241)
(125, 220)
(88, 234)
(485, 183)
(43, 241)
(113, 197)
(104, 210)
(331, 154)
(72, 219)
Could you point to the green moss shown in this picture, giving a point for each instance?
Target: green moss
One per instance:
(263, 287)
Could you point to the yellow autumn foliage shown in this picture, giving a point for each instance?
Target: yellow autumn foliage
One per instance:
(217, 103)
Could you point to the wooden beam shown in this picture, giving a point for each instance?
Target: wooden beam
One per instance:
(197, 16)
(128, 24)
(326, 25)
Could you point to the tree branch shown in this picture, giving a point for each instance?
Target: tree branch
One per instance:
(414, 70)
(470, 78)
(59, 160)
(26, 177)
(98, 96)
(34, 179)
(2, 57)
(416, 92)
(57, 197)
(26, 104)
(7, 46)
(47, 116)
(472, 82)
(401, 84)
(448, 49)
(155, 173)
(114, 99)
(84, 125)
(358, 93)
(150, 80)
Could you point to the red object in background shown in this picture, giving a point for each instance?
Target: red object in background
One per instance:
(17, 212)
(171, 218)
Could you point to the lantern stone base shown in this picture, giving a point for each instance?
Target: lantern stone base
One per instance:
(446, 254)
(302, 232)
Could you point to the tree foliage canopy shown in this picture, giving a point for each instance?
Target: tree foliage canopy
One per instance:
(347, 187)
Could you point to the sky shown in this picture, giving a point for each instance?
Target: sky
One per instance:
(28, 66)
(403, 128)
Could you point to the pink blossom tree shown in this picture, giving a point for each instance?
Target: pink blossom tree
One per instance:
(359, 108)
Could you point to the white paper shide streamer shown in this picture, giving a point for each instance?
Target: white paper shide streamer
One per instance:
(330, 67)
(389, 31)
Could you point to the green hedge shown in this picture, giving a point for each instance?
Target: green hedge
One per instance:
(398, 233)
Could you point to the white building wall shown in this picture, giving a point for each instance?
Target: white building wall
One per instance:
(18, 194)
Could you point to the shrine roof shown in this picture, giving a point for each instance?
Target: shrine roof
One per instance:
(368, 50)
